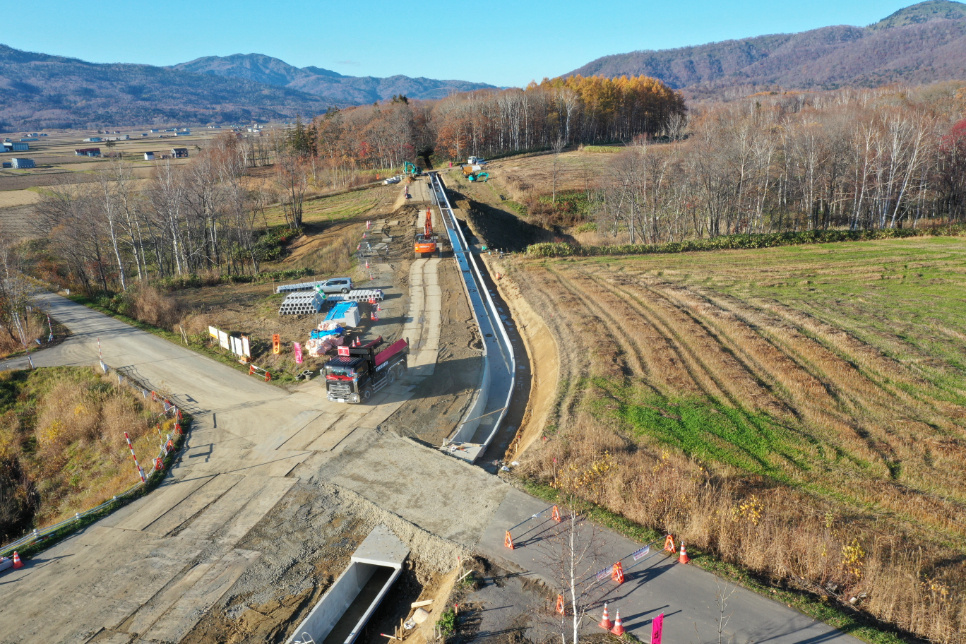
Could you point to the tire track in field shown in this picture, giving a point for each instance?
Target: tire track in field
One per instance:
(573, 360)
(653, 365)
(883, 367)
(821, 404)
(927, 505)
(633, 362)
(703, 371)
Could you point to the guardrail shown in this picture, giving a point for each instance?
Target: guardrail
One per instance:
(509, 358)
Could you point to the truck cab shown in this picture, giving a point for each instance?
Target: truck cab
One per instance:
(358, 372)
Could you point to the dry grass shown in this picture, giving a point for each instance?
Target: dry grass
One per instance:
(10, 341)
(799, 411)
(62, 446)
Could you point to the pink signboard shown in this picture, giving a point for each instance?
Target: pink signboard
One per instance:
(656, 629)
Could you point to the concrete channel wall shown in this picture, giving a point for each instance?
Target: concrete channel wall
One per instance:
(482, 413)
(345, 608)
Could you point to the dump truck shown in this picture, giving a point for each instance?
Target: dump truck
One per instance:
(427, 242)
(358, 372)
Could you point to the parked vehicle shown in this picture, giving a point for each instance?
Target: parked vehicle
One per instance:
(337, 285)
(476, 161)
(392, 180)
(356, 373)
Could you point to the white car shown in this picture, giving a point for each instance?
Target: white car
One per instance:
(392, 180)
(337, 285)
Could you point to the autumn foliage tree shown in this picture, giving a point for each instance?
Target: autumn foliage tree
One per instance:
(487, 122)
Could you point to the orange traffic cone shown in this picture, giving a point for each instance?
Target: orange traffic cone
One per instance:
(605, 622)
(556, 514)
(618, 629)
(669, 544)
(16, 560)
(560, 605)
(508, 541)
(683, 557)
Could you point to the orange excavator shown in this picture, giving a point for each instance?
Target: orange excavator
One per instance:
(427, 242)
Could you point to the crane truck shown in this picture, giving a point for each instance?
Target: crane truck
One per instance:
(356, 373)
(426, 242)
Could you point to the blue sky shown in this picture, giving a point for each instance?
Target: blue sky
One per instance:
(494, 41)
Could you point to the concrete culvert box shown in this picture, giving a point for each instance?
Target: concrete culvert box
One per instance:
(343, 611)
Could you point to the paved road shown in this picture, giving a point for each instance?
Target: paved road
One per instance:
(150, 571)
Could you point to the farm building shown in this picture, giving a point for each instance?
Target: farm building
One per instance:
(88, 152)
(22, 163)
(15, 146)
(7, 164)
(179, 153)
(149, 156)
(93, 139)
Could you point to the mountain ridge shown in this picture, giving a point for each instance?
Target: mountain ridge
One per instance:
(922, 43)
(40, 90)
(330, 85)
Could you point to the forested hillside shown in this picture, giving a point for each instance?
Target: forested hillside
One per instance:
(920, 44)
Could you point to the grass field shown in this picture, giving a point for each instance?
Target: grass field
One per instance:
(62, 447)
(801, 411)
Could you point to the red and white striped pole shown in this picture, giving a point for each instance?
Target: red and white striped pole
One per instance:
(99, 354)
(136, 464)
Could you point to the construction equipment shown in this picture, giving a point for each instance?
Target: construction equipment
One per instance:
(427, 242)
(412, 170)
(357, 373)
(474, 172)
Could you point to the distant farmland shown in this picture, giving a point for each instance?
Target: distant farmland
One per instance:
(801, 411)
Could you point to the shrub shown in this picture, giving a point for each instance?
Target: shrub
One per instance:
(742, 241)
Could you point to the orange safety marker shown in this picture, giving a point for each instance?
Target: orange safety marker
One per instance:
(177, 428)
(683, 558)
(605, 622)
(251, 369)
(268, 376)
(618, 629)
(669, 545)
(508, 541)
(556, 514)
(16, 560)
(617, 573)
(560, 605)
(276, 344)
(158, 463)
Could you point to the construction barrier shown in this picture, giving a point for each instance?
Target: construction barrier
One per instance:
(508, 541)
(617, 573)
(669, 545)
(255, 371)
(131, 447)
